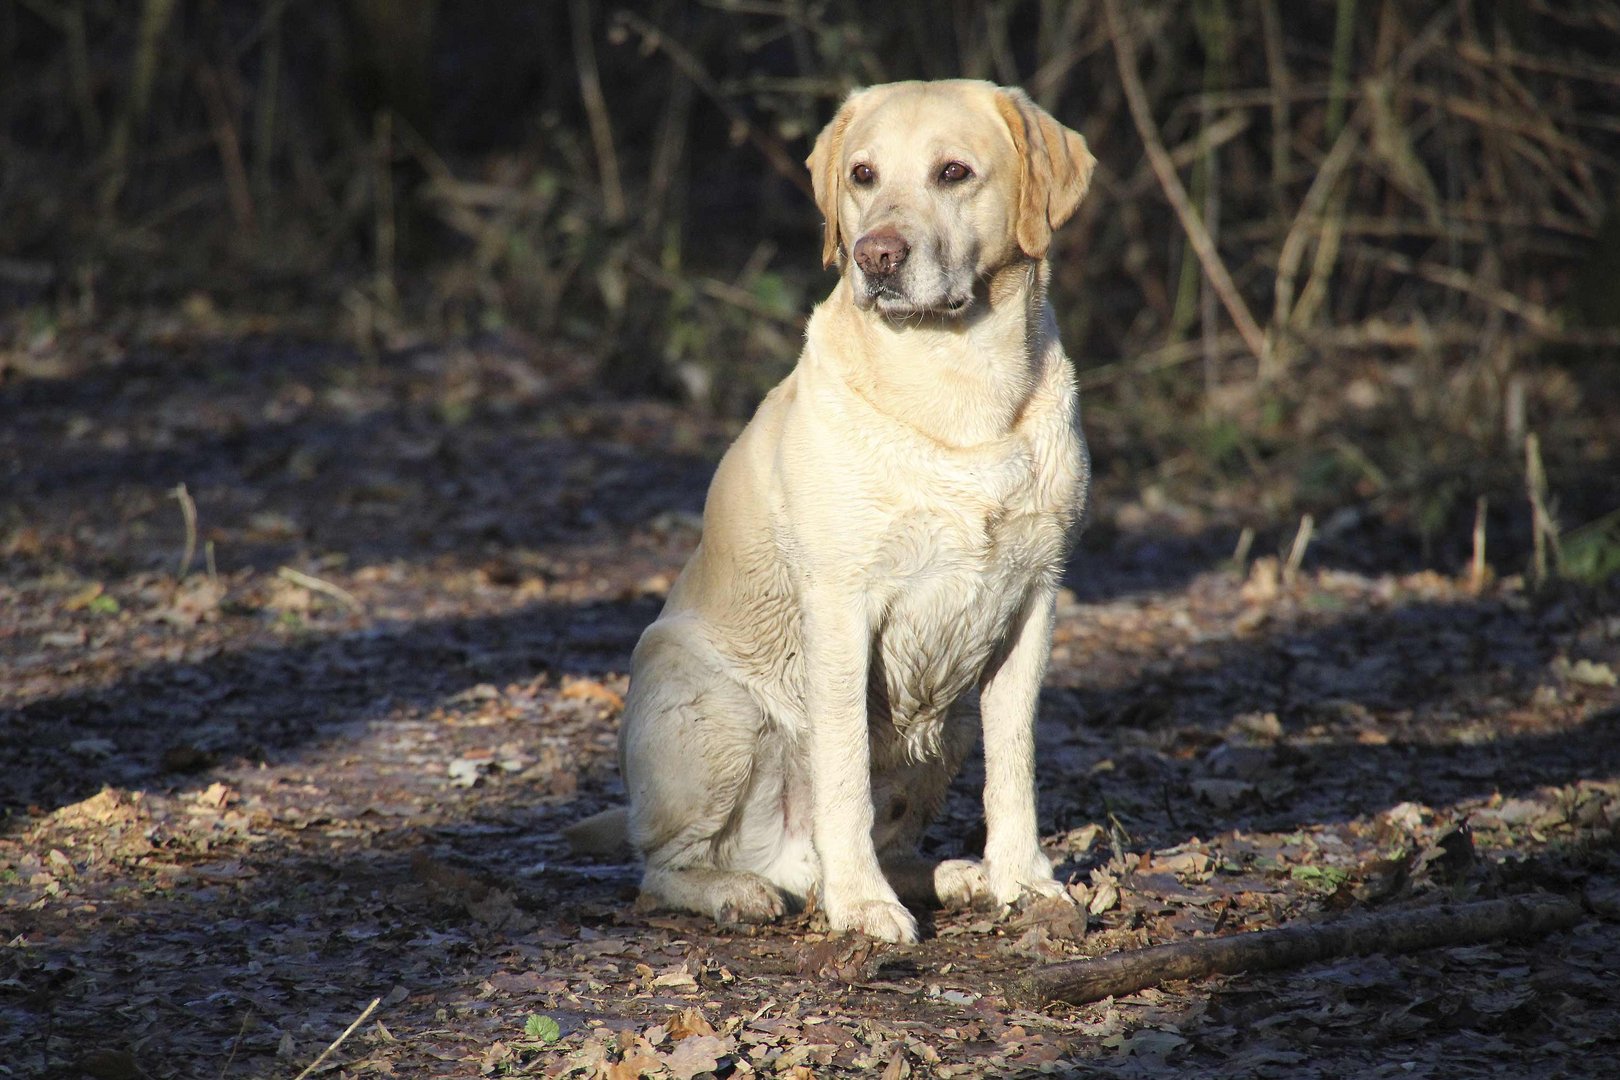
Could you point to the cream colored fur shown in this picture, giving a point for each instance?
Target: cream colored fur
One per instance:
(880, 548)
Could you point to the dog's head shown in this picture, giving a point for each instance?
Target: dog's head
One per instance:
(928, 187)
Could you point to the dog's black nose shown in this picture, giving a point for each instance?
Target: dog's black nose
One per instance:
(880, 252)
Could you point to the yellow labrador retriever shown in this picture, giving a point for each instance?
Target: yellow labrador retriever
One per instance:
(881, 545)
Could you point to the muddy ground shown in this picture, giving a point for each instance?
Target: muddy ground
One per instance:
(317, 749)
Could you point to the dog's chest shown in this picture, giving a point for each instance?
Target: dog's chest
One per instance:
(956, 570)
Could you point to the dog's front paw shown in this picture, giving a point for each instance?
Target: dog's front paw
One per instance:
(960, 883)
(885, 920)
(1032, 875)
(1046, 889)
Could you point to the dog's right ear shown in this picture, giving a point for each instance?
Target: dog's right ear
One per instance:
(826, 164)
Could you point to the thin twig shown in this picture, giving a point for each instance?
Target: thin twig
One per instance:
(265, 110)
(1215, 32)
(1296, 551)
(1537, 319)
(710, 287)
(383, 205)
(1379, 333)
(229, 145)
(1485, 116)
(1209, 331)
(1513, 409)
(78, 51)
(1062, 48)
(1287, 316)
(315, 584)
(1570, 69)
(188, 514)
(669, 149)
(775, 153)
(1172, 355)
(1176, 194)
(1344, 37)
(1278, 80)
(1204, 141)
(339, 1040)
(269, 22)
(1310, 213)
(1543, 529)
(236, 1043)
(155, 18)
(1240, 553)
(1315, 294)
(596, 111)
(1477, 567)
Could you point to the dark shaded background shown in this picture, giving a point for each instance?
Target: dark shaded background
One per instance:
(1434, 184)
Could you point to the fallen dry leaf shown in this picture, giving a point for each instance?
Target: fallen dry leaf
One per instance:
(696, 1054)
(686, 1024)
(579, 689)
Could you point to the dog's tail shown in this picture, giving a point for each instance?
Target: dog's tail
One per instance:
(607, 833)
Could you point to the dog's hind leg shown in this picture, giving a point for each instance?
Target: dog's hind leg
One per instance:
(705, 782)
(726, 896)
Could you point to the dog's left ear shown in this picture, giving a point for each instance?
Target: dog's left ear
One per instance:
(1055, 169)
(826, 164)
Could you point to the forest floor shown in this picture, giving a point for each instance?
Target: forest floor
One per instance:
(323, 757)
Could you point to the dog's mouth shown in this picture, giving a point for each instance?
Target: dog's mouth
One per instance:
(897, 304)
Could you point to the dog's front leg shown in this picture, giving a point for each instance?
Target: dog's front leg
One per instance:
(1013, 860)
(854, 891)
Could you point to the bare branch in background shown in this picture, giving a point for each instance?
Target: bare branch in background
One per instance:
(596, 111)
(785, 164)
(1176, 194)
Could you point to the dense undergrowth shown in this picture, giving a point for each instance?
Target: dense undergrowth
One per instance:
(1414, 206)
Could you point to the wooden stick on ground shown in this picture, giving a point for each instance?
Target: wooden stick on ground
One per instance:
(337, 1042)
(1079, 981)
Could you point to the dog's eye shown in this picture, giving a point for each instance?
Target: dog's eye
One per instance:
(862, 174)
(955, 173)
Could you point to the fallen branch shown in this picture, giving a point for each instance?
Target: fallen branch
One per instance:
(1079, 981)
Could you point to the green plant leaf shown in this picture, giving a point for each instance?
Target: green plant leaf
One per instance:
(543, 1028)
(1591, 553)
(1325, 877)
